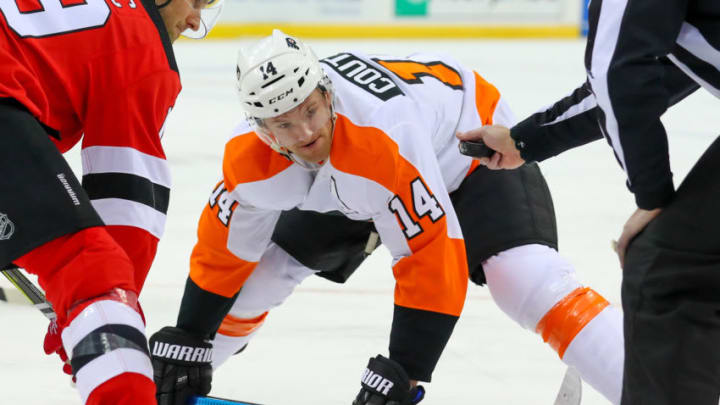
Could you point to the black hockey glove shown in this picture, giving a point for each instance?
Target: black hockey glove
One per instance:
(181, 364)
(384, 382)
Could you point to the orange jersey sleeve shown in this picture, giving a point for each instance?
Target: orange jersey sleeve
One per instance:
(212, 266)
(232, 232)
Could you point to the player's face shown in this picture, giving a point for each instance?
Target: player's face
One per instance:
(306, 130)
(180, 15)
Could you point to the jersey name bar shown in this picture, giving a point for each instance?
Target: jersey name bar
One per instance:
(359, 73)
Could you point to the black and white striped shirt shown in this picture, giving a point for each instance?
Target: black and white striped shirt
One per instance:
(642, 57)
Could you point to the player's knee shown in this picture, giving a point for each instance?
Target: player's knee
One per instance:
(537, 288)
(273, 280)
(527, 281)
(105, 339)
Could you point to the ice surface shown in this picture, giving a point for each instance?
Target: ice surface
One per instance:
(313, 349)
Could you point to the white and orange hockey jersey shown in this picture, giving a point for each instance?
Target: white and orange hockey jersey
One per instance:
(394, 160)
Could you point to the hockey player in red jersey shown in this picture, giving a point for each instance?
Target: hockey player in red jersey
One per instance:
(102, 72)
(337, 151)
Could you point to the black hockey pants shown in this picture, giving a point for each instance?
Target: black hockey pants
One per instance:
(671, 297)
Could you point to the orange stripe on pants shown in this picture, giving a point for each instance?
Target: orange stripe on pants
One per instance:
(567, 318)
(233, 326)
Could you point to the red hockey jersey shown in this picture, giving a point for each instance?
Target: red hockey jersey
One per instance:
(102, 71)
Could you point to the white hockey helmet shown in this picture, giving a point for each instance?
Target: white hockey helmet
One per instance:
(276, 75)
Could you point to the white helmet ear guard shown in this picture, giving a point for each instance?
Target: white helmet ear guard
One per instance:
(276, 75)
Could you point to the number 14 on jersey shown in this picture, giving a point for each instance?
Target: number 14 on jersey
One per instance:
(422, 203)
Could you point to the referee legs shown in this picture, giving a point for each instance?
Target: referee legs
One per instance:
(671, 297)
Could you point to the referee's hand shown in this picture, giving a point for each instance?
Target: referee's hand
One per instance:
(497, 138)
(637, 222)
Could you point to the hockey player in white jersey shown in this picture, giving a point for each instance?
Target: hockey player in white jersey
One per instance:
(335, 150)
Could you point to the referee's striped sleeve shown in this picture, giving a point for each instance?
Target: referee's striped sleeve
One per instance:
(568, 123)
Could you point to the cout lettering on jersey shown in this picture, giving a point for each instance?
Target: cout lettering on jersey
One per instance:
(359, 73)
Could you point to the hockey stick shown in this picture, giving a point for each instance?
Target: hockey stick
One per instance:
(216, 401)
(570, 393)
(38, 300)
(28, 289)
(571, 389)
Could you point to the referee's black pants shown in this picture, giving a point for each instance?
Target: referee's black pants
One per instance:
(671, 297)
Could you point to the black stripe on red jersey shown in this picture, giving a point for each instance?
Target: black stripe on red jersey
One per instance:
(202, 312)
(104, 340)
(127, 187)
(418, 338)
(154, 14)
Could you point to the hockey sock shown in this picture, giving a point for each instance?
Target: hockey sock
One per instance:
(586, 332)
(125, 389)
(233, 335)
(108, 349)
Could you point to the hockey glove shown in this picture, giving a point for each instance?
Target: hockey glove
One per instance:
(181, 365)
(53, 344)
(384, 382)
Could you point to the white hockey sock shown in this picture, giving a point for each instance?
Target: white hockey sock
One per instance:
(105, 340)
(234, 333)
(537, 288)
(598, 352)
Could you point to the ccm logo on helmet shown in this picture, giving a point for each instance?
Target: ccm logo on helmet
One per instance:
(360, 74)
(376, 382)
(280, 97)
